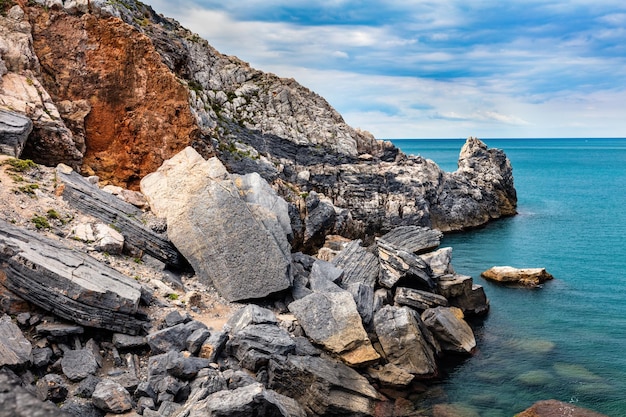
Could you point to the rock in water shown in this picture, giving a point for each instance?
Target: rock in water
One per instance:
(14, 130)
(241, 249)
(554, 408)
(526, 277)
(71, 284)
(448, 326)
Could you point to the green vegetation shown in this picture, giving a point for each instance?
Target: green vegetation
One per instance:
(53, 214)
(28, 189)
(40, 222)
(20, 165)
(172, 296)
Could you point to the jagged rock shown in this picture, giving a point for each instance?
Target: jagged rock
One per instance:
(331, 318)
(319, 221)
(439, 262)
(419, 300)
(454, 285)
(227, 241)
(73, 285)
(52, 387)
(251, 314)
(448, 326)
(527, 277)
(196, 339)
(16, 401)
(474, 302)
(81, 408)
(78, 364)
(364, 298)
(42, 357)
(58, 329)
(248, 400)
(414, 239)
(391, 375)
(87, 386)
(213, 346)
(255, 344)
(323, 386)
(125, 341)
(327, 270)
(358, 264)
(14, 130)
(112, 211)
(108, 239)
(554, 408)
(397, 263)
(15, 349)
(176, 317)
(185, 367)
(170, 338)
(111, 397)
(404, 342)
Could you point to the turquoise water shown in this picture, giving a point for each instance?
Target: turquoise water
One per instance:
(566, 341)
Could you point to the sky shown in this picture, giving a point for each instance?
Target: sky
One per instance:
(436, 68)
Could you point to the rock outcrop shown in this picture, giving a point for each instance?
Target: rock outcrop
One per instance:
(524, 277)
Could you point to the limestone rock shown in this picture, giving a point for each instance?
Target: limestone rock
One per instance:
(397, 263)
(112, 211)
(527, 277)
(331, 318)
(108, 239)
(111, 397)
(79, 364)
(323, 386)
(414, 239)
(448, 326)
(73, 285)
(14, 130)
(403, 341)
(554, 408)
(15, 349)
(418, 300)
(439, 261)
(357, 263)
(227, 241)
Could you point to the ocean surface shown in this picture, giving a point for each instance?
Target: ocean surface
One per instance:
(567, 340)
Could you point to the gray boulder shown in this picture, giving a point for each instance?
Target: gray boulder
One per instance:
(448, 326)
(417, 299)
(331, 318)
(14, 130)
(111, 397)
(358, 264)
(251, 314)
(170, 338)
(414, 239)
(254, 345)
(240, 248)
(323, 386)
(15, 349)
(473, 302)
(439, 261)
(404, 341)
(397, 263)
(52, 387)
(79, 364)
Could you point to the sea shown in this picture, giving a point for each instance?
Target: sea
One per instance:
(566, 340)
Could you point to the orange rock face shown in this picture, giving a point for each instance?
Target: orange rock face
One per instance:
(138, 111)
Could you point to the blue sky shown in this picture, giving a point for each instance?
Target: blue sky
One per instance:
(436, 68)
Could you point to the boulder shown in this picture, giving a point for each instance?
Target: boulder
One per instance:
(14, 130)
(255, 344)
(79, 364)
(391, 375)
(213, 346)
(454, 285)
(357, 263)
(397, 263)
(108, 239)
(452, 332)
(404, 341)
(473, 302)
(250, 400)
(439, 261)
(525, 277)
(71, 284)
(417, 299)
(240, 248)
(331, 318)
(250, 314)
(319, 221)
(111, 397)
(554, 408)
(323, 386)
(89, 199)
(15, 349)
(414, 239)
(170, 338)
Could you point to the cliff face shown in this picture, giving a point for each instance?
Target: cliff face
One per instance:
(116, 89)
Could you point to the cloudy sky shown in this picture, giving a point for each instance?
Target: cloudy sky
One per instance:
(436, 68)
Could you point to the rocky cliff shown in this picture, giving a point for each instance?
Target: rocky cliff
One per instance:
(114, 89)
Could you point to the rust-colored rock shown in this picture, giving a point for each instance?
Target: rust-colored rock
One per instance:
(116, 92)
(554, 408)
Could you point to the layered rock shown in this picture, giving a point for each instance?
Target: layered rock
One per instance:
(14, 130)
(240, 248)
(526, 277)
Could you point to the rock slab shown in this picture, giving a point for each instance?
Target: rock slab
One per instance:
(526, 277)
(240, 248)
(14, 130)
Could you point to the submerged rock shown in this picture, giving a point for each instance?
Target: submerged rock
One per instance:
(526, 277)
(554, 408)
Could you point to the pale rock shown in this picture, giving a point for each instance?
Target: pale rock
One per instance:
(527, 277)
(108, 239)
(439, 261)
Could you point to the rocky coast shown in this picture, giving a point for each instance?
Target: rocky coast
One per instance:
(183, 235)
